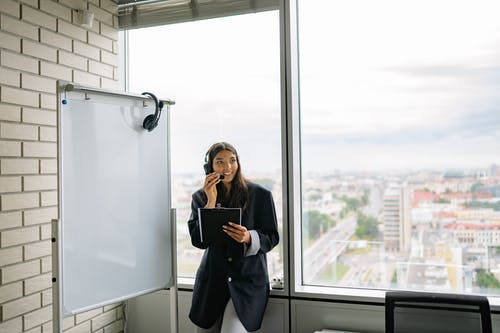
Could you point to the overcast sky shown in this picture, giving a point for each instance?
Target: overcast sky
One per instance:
(384, 85)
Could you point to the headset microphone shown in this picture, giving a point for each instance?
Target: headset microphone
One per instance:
(151, 121)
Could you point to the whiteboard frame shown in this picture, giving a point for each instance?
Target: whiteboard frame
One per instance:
(56, 227)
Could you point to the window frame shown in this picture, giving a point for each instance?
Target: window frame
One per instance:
(291, 238)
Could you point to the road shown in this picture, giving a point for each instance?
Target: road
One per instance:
(327, 248)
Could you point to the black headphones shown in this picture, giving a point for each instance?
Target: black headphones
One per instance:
(208, 166)
(151, 121)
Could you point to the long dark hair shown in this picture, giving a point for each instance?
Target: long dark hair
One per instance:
(238, 196)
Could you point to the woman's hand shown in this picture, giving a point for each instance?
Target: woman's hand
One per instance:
(210, 189)
(238, 232)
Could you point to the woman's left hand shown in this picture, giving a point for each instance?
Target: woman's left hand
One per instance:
(237, 232)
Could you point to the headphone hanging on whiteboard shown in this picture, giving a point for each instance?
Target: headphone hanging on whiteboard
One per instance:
(151, 121)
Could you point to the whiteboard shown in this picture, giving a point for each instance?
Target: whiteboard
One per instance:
(115, 236)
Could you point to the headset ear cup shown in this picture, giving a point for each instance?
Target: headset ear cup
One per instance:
(207, 166)
(149, 122)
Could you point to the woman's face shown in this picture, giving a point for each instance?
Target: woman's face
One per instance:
(225, 163)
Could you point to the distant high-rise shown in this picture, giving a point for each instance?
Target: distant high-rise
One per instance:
(397, 218)
(494, 170)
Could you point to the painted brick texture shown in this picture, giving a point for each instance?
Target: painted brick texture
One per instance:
(40, 43)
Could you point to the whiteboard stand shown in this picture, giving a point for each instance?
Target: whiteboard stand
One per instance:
(56, 317)
(174, 325)
(115, 237)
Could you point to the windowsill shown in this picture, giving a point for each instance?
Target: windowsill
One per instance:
(188, 283)
(335, 294)
(185, 283)
(340, 294)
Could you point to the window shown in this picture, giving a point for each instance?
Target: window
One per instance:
(224, 75)
(400, 133)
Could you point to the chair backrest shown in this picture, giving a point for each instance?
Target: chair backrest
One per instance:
(393, 297)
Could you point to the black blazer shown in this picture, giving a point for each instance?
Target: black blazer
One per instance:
(225, 273)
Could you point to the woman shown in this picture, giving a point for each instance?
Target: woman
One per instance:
(232, 284)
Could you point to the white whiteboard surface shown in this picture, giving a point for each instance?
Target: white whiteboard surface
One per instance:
(114, 201)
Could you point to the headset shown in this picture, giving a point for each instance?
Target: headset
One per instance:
(151, 121)
(208, 166)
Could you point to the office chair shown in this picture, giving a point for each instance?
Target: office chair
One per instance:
(393, 297)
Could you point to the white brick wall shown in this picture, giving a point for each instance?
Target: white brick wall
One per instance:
(17, 27)
(39, 116)
(38, 317)
(35, 82)
(55, 39)
(10, 112)
(11, 291)
(39, 149)
(21, 271)
(48, 134)
(40, 43)
(37, 283)
(19, 236)
(38, 17)
(9, 77)
(18, 166)
(18, 131)
(37, 183)
(48, 166)
(18, 61)
(10, 184)
(48, 198)
(55, 71)
(41, 215)
(10, 7)
(19, 201)
(10, 220)
(11, 255)
(10, 42)
(86, 50)
(9, 148)
(13, 325)
(19, 96)
(17, 307)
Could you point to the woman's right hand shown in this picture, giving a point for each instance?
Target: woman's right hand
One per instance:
(210, 189)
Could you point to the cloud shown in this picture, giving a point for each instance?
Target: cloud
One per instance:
(484, 75)
(484, 124)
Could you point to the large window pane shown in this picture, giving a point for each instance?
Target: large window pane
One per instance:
(224, 75)
(400, 129)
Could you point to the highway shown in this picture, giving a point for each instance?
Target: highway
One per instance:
(327, 248)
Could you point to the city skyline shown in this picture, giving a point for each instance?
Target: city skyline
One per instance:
(420, 231)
